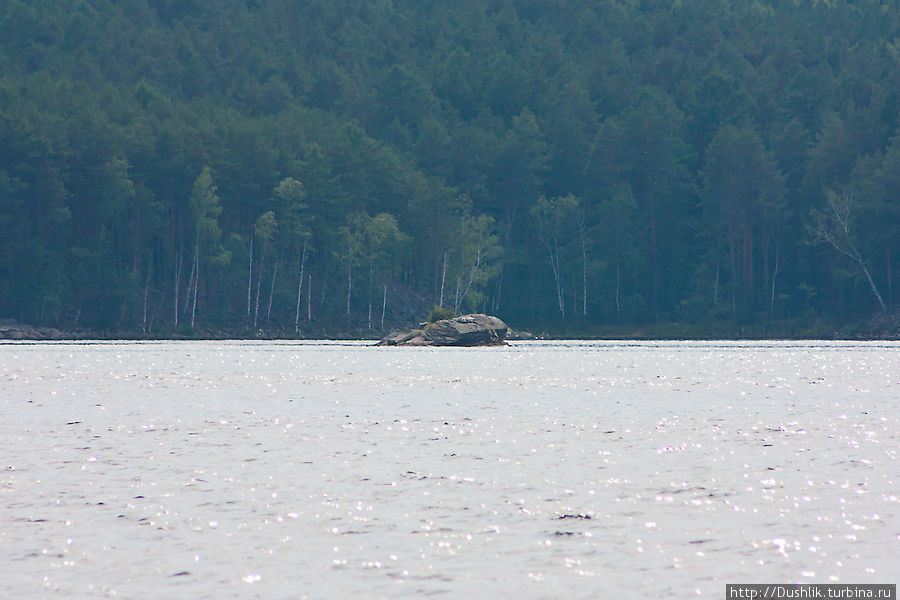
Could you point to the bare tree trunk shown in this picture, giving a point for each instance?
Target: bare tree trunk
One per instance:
(562, 301)
(767, 239)
(196, 281)
(732, 254)
(554, 264)
(747, 287)
(256, 309)
(618, 289)
(309, 300)
(190, 287)
(840, 208)
(178, 262)
(146, 297)
(890, 279)
(551, 244)
(654, 250)
(383, 306)
(774, 277)
(875, 290)
(349, 288)
(250, 276)
(582, 232)
(716, 286)
(192, 279)
(371, 275)
(473, 272)
(716, 283)
(495, 301)
(300, 287)
(443, 278)
(349, 273)
(272, 291)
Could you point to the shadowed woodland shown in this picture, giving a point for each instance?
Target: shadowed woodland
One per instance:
(330, 167)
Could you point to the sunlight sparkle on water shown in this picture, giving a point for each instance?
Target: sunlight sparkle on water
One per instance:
(541, 469)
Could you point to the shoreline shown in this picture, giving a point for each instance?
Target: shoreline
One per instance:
(58, 336)
(873, 330)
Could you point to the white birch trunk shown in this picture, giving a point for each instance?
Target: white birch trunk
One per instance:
(383, 306)
(349, 272)
(272, 291)
(146, 297)
(582, 231)
(256, 308)
(553, 256)
(495, 301)
(473, 272)
(716, 284)
(370, 296)
(250, 276)
(774, 277)
(618, 288)
(842, 213)
(196, 281)
(443, 278)
(300, 287)
(349, 287)
(177, 283)
(190, 287)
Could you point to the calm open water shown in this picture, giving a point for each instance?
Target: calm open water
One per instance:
(540, 470)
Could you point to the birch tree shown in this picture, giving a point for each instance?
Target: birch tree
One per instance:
(558, 221)
(205, 209)
(376, 245)
(743, 193)
(834, 226)
(620, 235)
(354, 234)
(384, 244)
(291, 193)
(264, 231)
(475, 262)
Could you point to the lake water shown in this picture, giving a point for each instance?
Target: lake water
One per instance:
(539, 470)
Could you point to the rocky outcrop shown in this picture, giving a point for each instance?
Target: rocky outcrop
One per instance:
(467, 330)
(13, 330)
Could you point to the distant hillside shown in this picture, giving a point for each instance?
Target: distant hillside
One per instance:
(171, 166)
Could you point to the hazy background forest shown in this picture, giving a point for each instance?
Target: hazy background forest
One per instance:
(338, 167)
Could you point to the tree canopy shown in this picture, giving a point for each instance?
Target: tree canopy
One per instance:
(332, 166)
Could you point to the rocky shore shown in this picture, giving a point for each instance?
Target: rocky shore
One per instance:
(13, 330)
(467, 330)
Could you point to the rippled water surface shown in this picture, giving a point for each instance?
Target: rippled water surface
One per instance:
(539, 470)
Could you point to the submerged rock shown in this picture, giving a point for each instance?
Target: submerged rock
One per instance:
(467, 330)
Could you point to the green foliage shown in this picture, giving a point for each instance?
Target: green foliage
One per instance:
(439, 313)
(743, 193)
(472, 262)
(557, 221)
(264, 230)
(571, 165)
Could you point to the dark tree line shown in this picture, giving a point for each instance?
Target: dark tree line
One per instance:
(332, 165)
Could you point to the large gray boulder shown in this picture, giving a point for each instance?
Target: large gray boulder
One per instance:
(467, 330)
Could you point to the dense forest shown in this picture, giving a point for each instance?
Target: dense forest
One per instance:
(337, 167)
